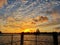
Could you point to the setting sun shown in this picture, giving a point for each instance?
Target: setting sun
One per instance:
(27, 30)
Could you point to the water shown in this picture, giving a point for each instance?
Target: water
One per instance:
(6, 39)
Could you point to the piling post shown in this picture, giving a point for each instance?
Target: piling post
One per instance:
(55, 38)
(12, 39)
(22, 38)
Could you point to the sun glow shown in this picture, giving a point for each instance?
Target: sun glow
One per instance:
(27, 30)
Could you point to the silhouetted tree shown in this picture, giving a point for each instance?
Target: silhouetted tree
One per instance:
(0, 32)
(38, 30)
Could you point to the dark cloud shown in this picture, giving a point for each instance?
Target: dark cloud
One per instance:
(33, 23)
(57, 28)
(41, 19)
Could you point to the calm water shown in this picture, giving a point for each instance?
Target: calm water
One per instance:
(28, 39)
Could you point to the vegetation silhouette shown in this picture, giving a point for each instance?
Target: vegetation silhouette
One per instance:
(0, 32)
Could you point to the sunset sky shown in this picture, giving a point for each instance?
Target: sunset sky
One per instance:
(28, 15)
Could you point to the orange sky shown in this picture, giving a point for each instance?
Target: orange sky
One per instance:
(2, 2)
(20, 22)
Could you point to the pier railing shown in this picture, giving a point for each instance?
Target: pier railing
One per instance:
(35, 38)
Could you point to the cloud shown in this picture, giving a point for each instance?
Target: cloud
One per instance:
(41, 19)
(57, 28)
(2, 2)
(28, 16)
(55, 15)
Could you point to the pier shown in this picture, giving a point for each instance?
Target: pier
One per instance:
(34, 38)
